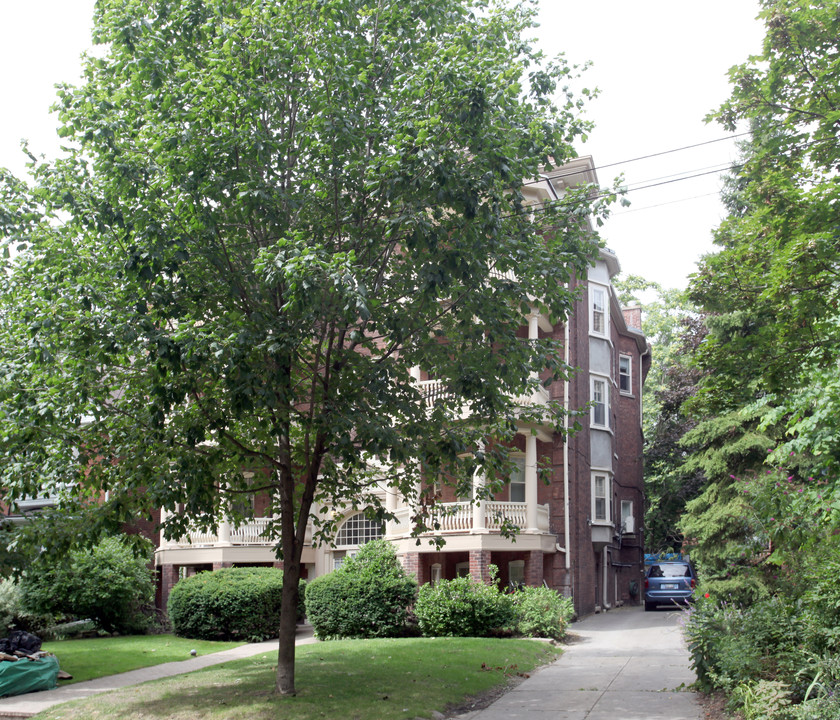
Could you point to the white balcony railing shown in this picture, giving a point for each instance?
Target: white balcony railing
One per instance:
(249, 533)
(458, 517)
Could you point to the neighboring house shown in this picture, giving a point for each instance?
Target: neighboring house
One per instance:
(580, 531)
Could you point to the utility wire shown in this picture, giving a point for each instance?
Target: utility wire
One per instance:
(641, 157)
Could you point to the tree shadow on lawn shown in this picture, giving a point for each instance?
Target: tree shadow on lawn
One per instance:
(381, 679)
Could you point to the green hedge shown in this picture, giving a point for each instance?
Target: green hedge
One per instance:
(542, 612)
(368, 596)
(229, 604)
(107, 584)
(464, 607)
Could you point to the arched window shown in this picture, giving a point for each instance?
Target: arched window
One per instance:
(358, 530)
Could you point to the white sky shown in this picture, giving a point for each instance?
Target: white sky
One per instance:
(660, 65)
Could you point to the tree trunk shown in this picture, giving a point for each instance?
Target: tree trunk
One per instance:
(285, 682)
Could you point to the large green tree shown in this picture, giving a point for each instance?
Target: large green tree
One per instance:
(770, 293)
(268, 213)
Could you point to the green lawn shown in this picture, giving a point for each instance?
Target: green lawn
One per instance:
(382, 679)
(96, 657)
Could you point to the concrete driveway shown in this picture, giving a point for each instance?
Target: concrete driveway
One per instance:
(626, 664)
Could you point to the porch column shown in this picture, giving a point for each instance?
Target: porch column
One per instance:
(224, 532)
(479, 511)
(390, 506)
(534, 330)
(530, 483)
(163, 543)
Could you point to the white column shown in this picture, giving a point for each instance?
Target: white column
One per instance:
(479, 508)
(224, 532)
(531, 482)
(390, 506)
(534, 326)
(164, 543)
(415, 373)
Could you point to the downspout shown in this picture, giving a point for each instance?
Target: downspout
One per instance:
(605, 586)
(566, 405)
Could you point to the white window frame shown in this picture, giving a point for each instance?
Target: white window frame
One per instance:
(603, 404)
(355, 528)
(625, 379)
(517, 478)
(601, 496)
(435, 573)
(626, 511)
(599, 310)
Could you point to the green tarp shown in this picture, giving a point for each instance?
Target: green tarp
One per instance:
(25, 676)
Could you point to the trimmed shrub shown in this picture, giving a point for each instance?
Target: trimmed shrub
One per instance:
(107, 584)
(229, 604)
(463, 607)
(542, 612)
(367, 597)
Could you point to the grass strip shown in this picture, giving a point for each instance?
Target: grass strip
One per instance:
(91, 658)
(397, 679)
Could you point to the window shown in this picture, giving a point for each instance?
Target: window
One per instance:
(517, 481)
(600, 402)
(462, 569)
(516, 572)
(358, 530)
(625, 377)
(598, 308)
(628, 522)
(600, 504)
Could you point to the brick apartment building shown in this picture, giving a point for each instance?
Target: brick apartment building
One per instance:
(580, 531)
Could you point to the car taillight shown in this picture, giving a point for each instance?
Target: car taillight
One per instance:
(693, 583)
(647, 583)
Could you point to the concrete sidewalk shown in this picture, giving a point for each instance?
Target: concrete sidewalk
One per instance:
(24, 706)
(626, 664)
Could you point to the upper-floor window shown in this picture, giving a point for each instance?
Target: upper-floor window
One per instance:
(600, 497)
(625, 375)
(517, 480)
(598, 309)
(600, 402)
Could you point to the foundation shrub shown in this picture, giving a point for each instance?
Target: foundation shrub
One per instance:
(229, 604)
(542, 612)
(464, 607)
(367, 597)
(108, 584)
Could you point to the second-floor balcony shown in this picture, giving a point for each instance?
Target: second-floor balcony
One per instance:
(465, 517)
(251, 533)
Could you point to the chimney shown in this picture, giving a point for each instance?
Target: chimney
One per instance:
(633, 317)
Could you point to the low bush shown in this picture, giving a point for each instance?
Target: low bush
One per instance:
(542, 612)
(367, 597)
(107, 584)
(464, 607)
(14, 617)
(229, 604)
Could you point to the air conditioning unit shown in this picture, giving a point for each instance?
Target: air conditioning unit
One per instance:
(628, 527)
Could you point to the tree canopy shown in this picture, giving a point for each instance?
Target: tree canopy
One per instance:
(267, 214)
(767, 398)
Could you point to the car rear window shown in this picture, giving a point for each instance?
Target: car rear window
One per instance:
(670, 571)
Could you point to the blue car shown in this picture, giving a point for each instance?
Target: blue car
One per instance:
(668, 583)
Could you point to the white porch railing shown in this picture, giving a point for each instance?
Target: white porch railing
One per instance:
(458, 517)
(249, 533)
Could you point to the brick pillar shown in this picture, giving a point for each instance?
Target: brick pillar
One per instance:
(168, 578)
(411, 564)
(534, 568)
(278, 564)
(479, 561)
(220, 565)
